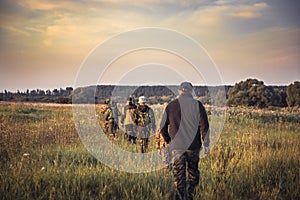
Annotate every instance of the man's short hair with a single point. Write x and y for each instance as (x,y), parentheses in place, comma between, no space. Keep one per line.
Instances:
(186,86)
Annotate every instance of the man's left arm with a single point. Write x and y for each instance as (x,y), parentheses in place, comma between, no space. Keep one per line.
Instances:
(204,126)
(164,127)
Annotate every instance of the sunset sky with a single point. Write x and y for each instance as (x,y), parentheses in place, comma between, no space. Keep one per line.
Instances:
(44,42)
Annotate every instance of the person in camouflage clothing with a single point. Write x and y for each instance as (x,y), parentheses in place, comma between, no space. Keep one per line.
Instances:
(128,116)
(164,151)
(110,117)
(146,123)
(184,126)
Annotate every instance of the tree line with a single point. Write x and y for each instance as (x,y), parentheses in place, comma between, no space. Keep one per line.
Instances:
(253,92)
(250,92)
(38,95)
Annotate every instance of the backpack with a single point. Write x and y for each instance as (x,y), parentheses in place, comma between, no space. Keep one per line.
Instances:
(143,117)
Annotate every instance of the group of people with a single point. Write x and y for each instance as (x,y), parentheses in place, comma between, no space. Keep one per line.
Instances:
(183,130)
(138,121)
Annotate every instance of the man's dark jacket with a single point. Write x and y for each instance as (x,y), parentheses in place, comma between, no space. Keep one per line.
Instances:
(185,123)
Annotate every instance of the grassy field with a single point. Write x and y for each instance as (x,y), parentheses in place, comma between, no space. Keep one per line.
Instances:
(42,157)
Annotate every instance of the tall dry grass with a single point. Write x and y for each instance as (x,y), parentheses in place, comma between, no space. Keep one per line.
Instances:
(42,157)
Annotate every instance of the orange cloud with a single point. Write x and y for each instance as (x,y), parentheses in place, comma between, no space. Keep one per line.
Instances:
(246,11)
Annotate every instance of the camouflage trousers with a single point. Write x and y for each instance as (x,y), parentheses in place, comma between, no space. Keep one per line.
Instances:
(112,128)
(130,134)
(143,134)
(166,158)
(144,144)
(185,161)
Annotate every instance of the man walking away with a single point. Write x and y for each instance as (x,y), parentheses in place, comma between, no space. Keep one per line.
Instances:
(184,126)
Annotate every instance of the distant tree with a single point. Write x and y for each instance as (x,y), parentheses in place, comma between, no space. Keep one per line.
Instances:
(33,93)
(84,95)
(48,92)
(201,91)
(55,92)
(63,100)
(251,93)
(41,92)
(61,92)
(279,97)
(293,94)
(7,96)
(69,90)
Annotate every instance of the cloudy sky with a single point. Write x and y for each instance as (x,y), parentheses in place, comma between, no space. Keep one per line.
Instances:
(43,43)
